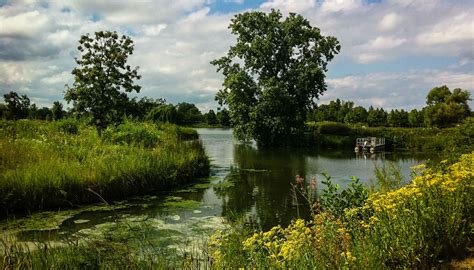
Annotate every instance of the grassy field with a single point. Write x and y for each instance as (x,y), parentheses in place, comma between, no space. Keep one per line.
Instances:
(47,165)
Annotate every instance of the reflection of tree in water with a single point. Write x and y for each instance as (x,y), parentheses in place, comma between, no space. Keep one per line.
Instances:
(262,185)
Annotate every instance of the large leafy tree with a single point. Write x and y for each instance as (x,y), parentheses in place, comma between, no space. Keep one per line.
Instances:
(57,110)
(17,105)
(446,108)
(273,74)
(103,78)
(188,113)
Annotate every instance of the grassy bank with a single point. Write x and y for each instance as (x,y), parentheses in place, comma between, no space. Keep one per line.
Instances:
(46,165)
(417,226)
(338,135)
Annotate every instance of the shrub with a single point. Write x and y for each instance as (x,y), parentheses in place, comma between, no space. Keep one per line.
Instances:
(68,126)
(334,128)
(130,133)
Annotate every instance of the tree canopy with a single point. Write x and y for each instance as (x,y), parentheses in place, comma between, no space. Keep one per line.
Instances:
(17,105)
(273,74)
(446,108)
(102,78)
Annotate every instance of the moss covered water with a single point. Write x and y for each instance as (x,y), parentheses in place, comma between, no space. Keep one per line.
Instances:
(246,183)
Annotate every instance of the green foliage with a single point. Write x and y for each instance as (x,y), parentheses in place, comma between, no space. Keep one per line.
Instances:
(272,74)
(446,108)
(141,108)
(165,113)
(17,106)
(376,117)
(415,118)
(211,117)
(223,117)
(100,76)
(356,115)
(334,202)
(188,113)
(68,126)
(42,167)
(129,133)
(333,128)
(397,118)
(57,110)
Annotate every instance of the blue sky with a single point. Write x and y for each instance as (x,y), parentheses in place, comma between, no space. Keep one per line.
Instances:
(393,51)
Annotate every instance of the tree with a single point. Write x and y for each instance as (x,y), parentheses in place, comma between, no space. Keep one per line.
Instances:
(139,109)
(100,77)
(415,118)
(376,117)
(165,113)
(44,114)
(17,105)
(223,117)
(446,108)
(273,74)
(397,118)
(356,115)
(188,113)
(211,117)
(438,95)
(57,110)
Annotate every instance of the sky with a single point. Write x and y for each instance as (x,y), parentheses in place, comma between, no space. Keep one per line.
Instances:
(393,52)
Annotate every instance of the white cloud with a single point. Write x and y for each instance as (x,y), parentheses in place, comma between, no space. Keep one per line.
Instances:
(451,30)
(297,6)
(340,5)
(405,90)
(389,21)
(154,30)
(59,78)
(27,24)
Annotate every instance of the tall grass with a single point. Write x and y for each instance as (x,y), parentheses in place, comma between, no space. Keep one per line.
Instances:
(55,164)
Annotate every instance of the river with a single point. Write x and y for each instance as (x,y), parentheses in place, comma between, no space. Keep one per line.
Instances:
(246,183)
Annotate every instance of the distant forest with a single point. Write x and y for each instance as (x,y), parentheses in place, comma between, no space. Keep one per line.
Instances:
(444,108)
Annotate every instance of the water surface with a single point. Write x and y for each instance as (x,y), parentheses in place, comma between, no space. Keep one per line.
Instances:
(246,182)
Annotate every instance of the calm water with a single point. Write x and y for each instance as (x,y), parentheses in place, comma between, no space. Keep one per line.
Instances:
(245,183)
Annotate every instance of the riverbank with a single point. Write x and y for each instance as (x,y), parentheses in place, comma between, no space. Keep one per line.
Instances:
(421,225)
(339,135)
(51,165)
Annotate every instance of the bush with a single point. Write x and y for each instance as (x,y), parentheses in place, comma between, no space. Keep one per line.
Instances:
(334,128)
(68,126)
(130,133)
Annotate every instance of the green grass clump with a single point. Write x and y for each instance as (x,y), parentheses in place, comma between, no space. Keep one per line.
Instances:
(44,165)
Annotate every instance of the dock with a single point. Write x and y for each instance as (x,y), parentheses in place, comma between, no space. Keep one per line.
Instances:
(370,144)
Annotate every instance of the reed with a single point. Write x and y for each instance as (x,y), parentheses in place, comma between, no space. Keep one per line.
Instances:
(44,165)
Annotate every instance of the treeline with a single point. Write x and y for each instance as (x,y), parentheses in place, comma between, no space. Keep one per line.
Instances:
(18,106)
(444,108)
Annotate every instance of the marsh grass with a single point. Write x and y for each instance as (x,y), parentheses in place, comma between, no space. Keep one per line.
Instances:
(46,165)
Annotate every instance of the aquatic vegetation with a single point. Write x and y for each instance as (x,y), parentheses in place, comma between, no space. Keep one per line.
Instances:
(417,225)
(42,167)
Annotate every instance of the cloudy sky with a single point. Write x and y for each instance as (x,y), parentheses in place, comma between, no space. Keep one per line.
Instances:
(393,51)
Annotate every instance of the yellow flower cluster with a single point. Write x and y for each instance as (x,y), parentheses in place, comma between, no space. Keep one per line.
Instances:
(287,246)
(458,177)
